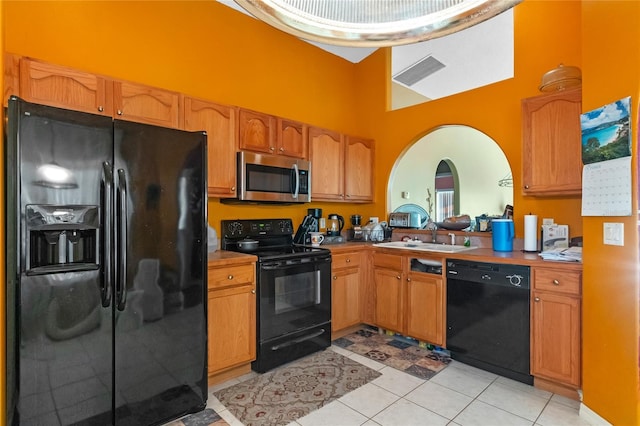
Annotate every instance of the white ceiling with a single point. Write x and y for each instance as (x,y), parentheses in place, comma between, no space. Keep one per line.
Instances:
(474,57)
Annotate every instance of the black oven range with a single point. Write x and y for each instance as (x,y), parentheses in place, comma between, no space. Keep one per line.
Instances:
(293,289)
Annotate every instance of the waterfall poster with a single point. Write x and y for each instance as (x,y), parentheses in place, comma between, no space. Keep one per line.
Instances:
(606,155)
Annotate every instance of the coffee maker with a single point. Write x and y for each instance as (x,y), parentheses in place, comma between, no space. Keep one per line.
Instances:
(316,214)
(355,232)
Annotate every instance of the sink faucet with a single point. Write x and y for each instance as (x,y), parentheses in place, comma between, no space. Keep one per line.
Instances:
(434,231)
(453,238)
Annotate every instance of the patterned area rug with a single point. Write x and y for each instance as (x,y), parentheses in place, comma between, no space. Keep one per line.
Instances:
(287,393)
(395,352)
(206,417)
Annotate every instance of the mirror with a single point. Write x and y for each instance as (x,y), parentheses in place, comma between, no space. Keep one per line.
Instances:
(474,166)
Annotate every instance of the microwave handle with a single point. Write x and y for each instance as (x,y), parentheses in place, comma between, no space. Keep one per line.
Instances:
(297,173)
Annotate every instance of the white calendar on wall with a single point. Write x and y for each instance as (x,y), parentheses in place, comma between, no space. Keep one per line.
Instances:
(606,188)
(606,155)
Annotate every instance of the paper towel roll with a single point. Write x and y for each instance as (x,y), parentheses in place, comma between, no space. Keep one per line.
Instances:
(530,232)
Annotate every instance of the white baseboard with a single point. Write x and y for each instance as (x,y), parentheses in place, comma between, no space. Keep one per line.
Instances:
(591,416)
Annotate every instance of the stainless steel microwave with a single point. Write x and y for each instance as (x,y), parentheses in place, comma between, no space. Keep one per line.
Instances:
(273,178)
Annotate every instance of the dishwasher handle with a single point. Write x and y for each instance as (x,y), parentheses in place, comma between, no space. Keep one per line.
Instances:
(489,273)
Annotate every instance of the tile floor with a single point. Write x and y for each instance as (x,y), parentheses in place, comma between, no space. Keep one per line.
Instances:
(458,395)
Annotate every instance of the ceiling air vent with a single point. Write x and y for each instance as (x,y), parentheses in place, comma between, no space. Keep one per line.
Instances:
(418,71)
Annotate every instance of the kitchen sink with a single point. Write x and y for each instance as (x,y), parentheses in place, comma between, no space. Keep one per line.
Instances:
(419,245)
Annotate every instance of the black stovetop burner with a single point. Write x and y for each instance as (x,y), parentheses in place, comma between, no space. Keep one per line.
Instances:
(274,236)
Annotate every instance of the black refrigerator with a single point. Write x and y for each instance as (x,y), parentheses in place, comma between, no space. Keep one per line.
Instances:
(106,269)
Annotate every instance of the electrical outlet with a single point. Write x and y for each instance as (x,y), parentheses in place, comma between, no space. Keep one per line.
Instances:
(613,234)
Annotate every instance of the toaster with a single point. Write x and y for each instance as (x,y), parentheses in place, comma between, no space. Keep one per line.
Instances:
(405,220)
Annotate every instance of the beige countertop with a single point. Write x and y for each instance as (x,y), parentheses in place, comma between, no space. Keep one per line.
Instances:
(482,254)
(223,258)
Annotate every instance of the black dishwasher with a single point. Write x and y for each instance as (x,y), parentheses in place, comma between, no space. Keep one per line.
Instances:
(488,317)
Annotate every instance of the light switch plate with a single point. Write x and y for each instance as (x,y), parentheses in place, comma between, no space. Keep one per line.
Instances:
(613,233)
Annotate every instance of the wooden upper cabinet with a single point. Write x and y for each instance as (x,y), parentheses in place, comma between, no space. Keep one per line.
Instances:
(256,131)
(68,88)
(261,132)
(11,76)
(292,138)
(63,87)
(358,169)
(326,153)
(551,136)
(144,104)
(219,121)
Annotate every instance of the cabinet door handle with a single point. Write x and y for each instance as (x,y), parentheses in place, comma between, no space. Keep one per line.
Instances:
(348,260)
(100,108)
(233,188)
(526,187)
(408,279)
(119,112)
(335,277)
(398,277)
(253,291)
(271,149)
(230,277)
(537,299)
(281,149)
(556,282)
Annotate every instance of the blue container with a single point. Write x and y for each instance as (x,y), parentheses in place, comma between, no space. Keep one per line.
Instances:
(503,233)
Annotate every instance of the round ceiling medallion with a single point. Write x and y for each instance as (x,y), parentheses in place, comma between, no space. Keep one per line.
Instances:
(373,23)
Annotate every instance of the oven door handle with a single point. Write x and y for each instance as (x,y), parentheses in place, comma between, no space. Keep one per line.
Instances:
(293,263)
(298,340)
(283,265)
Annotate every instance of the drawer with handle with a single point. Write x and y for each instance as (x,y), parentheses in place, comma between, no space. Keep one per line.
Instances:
(345,260)
(231,276)
(556,280)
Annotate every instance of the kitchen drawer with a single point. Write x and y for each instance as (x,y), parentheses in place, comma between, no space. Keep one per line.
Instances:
(390,261)
(231,276)
(345,260)
(556,280)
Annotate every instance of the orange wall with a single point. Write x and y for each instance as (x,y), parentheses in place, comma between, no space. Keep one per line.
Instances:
(3,378)
(611,66)
(207,50)
(216,53)
(199,48)
(493,109)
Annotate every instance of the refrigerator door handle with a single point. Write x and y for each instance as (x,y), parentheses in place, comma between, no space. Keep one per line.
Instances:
(121,289)
(106,286)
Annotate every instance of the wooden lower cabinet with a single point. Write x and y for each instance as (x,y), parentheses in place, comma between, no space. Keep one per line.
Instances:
(408,302)
(389,299)
(555,326)
(425,303)
(345,290)
(231,317)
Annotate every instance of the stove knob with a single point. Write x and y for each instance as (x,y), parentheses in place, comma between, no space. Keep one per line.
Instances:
(235,228)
